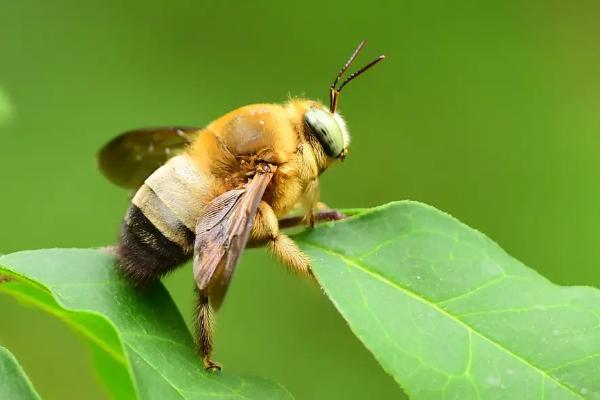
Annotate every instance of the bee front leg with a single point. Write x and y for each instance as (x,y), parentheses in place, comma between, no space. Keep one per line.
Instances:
(266,230)
(204,332)
(320,216)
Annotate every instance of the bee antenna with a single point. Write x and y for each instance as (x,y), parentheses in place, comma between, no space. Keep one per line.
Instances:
(360,71)
(348,63)
(334,91)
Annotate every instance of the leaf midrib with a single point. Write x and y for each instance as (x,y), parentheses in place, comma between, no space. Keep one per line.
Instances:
(423,300)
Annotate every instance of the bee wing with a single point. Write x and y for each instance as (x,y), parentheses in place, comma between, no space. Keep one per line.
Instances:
(131,157)
(222,233)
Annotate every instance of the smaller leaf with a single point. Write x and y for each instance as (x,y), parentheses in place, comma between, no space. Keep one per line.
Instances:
(140,343)
(14,383)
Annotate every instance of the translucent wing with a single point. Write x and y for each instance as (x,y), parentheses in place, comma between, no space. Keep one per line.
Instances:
(222,233)
(131,157)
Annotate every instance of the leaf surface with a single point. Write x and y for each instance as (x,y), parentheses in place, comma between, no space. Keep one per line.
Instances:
(14,383)
(450,315)
(141,345)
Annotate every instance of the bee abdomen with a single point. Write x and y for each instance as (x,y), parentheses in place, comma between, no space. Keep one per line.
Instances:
(145,253)
(157,233)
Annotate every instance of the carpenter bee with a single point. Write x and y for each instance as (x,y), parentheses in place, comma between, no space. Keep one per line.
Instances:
(207,193)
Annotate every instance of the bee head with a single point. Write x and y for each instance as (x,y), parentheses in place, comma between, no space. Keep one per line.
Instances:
(328,126)
(329,129)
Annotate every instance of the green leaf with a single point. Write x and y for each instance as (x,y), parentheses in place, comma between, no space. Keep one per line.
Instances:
(14,383)
(140,343)
(450,315)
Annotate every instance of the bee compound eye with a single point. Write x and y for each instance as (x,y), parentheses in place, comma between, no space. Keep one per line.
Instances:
(324,127)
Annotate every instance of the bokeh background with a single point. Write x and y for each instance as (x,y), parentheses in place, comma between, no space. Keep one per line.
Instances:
(487,110)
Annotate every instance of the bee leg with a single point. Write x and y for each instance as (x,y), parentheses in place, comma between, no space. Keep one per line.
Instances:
(288,253)
(204,331)
(266,230)
(320,216)
(326,213)
(330,215)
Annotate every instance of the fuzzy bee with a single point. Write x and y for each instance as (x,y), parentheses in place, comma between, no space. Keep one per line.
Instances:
(207,193)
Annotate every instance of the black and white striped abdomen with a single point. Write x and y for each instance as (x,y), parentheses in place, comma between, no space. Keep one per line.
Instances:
(158,232)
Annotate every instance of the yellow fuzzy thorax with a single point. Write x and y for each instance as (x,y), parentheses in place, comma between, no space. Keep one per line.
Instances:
(229,148)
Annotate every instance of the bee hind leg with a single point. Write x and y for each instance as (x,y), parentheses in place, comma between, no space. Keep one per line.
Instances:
(204,332)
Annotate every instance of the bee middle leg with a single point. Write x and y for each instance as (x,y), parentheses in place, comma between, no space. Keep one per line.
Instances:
(265,230)
(204,332)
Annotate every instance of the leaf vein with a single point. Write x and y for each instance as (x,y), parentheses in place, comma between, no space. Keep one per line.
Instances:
(421,299)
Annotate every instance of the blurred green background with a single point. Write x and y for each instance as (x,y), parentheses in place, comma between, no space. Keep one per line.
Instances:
(487,110)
